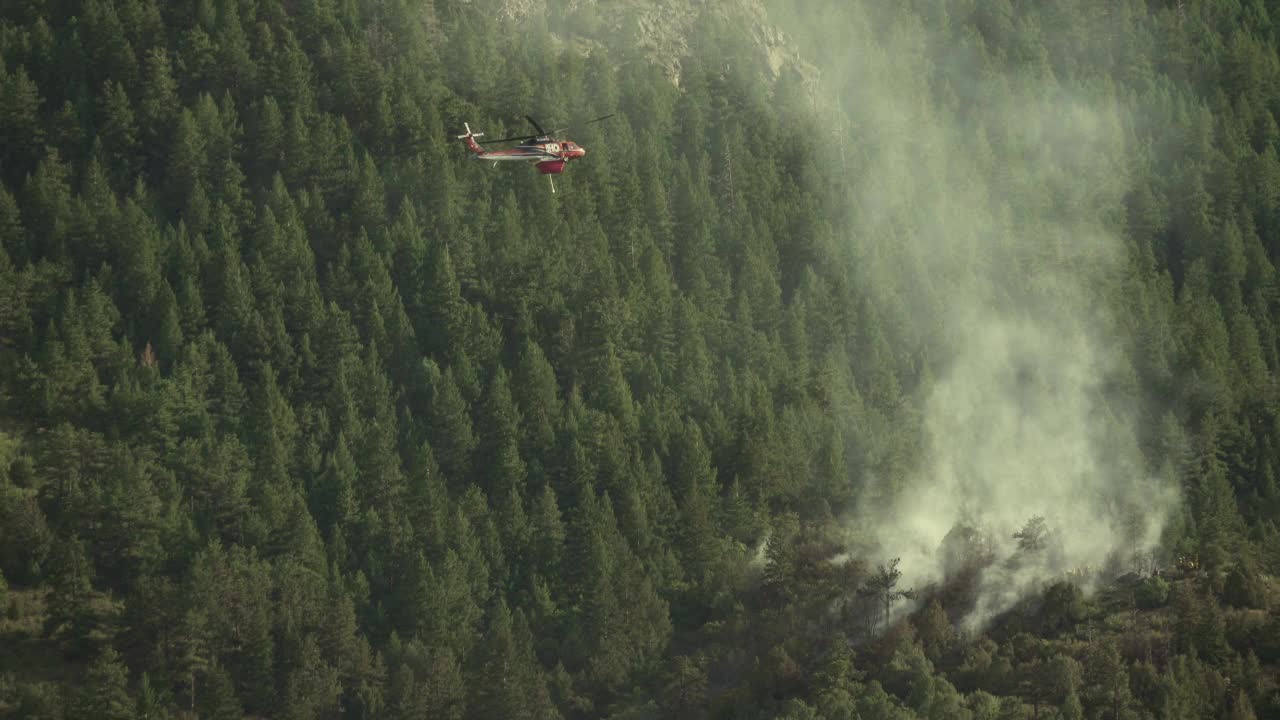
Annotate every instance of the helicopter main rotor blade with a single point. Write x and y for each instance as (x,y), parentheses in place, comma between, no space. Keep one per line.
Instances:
(536,125)
(507,139)
(602,117)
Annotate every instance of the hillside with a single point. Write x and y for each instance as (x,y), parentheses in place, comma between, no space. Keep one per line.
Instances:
(878,360)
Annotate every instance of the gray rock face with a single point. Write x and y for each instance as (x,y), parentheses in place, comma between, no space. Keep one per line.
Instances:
(663,32)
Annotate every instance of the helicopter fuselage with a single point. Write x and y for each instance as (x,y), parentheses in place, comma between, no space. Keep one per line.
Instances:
(548,155)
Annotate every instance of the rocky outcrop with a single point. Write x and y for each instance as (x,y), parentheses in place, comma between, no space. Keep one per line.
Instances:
(663,32)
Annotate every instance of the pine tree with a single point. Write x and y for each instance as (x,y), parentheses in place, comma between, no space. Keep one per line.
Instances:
(883,586)
(105,692)
(508,681)
(218,698)
(444,317)
(536,395)
(446,694)
(498,456)
(72,615)
(231,621)
(448,616)
(21,132)
(382,478)
(312,689)
(153,703)
(449,429)
(128,545)
(119,133)
(158,106)
(547,533)
(428,497)
(169,335)
(406,697)
(46,204)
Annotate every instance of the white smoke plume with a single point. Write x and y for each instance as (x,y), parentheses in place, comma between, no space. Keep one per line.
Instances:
(999,230)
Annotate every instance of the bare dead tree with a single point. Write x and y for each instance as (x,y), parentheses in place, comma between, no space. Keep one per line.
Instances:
(883,585)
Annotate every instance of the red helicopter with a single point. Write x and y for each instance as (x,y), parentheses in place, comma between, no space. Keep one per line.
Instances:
(548,153)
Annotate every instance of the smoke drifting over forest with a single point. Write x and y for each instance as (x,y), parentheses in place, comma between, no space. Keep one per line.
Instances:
(982,212)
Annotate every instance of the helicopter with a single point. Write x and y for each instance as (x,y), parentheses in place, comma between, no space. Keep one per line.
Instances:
(548,153)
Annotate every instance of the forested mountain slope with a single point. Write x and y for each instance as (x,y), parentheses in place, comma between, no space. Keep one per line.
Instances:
(305,414)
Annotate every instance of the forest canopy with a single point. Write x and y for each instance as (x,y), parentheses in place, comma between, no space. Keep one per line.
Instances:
(881,360)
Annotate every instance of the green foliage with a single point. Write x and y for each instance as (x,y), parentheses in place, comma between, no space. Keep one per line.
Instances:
(935,630)
(1243,588)
(105,692)
(1063,608)
(1151,593)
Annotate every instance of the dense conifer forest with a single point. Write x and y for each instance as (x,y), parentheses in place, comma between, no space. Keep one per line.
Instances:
(305,414)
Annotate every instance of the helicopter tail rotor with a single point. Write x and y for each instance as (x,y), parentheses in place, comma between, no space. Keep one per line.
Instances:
(468,133)
(470,138)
